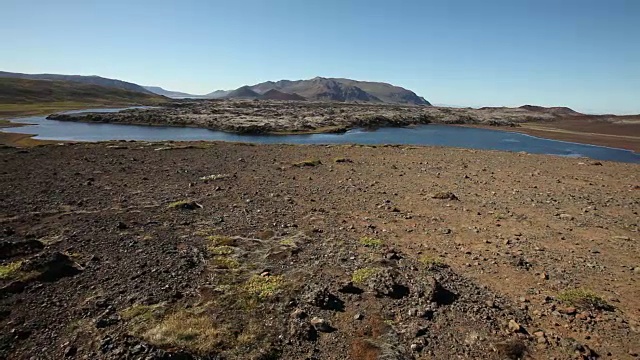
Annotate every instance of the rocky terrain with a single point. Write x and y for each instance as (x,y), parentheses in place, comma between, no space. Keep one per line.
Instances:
(267,116)
(134,250)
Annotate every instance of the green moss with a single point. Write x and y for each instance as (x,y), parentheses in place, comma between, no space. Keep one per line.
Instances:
(264,286)
(431,262)
(221,250)
(224,262)
(583,299)
(370,242)
(220,240)
(362,275)
(288,242)
(11,270)
(178,204)
(308,162)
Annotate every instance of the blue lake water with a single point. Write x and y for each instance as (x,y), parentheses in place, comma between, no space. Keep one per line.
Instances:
(439,135)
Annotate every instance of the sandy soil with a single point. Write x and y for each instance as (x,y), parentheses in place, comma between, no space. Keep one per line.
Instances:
(323,252)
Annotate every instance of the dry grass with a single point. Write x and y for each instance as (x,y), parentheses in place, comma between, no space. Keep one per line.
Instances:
(195,332)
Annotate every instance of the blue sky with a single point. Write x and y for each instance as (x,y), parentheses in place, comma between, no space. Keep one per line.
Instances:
(579,53)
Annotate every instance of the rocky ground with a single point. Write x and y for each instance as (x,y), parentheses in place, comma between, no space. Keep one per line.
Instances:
(133,250)
(248,116)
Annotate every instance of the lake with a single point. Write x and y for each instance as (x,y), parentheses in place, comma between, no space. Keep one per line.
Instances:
(438,135)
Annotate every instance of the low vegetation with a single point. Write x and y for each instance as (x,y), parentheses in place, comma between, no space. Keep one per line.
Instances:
(221,250)
(362,275)
(583,299)
(370,242)
(431,262)
(20,97)
(264,286)
(220,240)
(225,262)
(189,330)
(10,270)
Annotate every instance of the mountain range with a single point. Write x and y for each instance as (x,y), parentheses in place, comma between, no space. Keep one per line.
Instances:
(91,80)
(316,89)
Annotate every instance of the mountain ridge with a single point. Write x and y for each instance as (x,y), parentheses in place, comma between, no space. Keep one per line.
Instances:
(83,79)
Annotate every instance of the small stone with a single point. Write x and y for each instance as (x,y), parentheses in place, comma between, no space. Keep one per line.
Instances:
(539,334)
(299,314)
(416,347)
(569,311)
(121,225)
(544,276)
(321,325)
(514,326)
(70,351)
(490,304)
(358,316)
(565,217)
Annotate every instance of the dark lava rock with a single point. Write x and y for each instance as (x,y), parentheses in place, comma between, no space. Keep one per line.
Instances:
(51,266)
(11,249)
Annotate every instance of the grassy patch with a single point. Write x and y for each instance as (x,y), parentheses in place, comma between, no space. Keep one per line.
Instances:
(221,250)
(288,242)
(431,262)
(220,240)
(583,299)
(196,332)
(224,262)
(264,286)
(370,242)
(362,275)
(142,312)
(11,270)
(308,162)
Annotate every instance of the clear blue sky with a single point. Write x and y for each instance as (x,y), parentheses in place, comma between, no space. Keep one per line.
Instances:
(579,53)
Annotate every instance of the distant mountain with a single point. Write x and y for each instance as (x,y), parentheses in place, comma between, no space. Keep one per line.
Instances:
(168,93)
(27,91)
(217,94)
(337,89)
(243,92)
(556,110)
(93,80)
(274,94)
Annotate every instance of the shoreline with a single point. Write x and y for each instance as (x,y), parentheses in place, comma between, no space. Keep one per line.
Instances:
(629,143)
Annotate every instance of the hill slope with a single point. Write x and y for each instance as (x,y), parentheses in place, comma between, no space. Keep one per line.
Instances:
(168,93)
(93,80)
(243,92)
(31,97)
(335,89)
(274,94)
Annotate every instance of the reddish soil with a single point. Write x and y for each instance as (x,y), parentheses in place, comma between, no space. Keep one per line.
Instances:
(275,255)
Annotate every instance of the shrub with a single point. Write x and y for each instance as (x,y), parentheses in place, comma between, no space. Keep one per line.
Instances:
(583,299)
